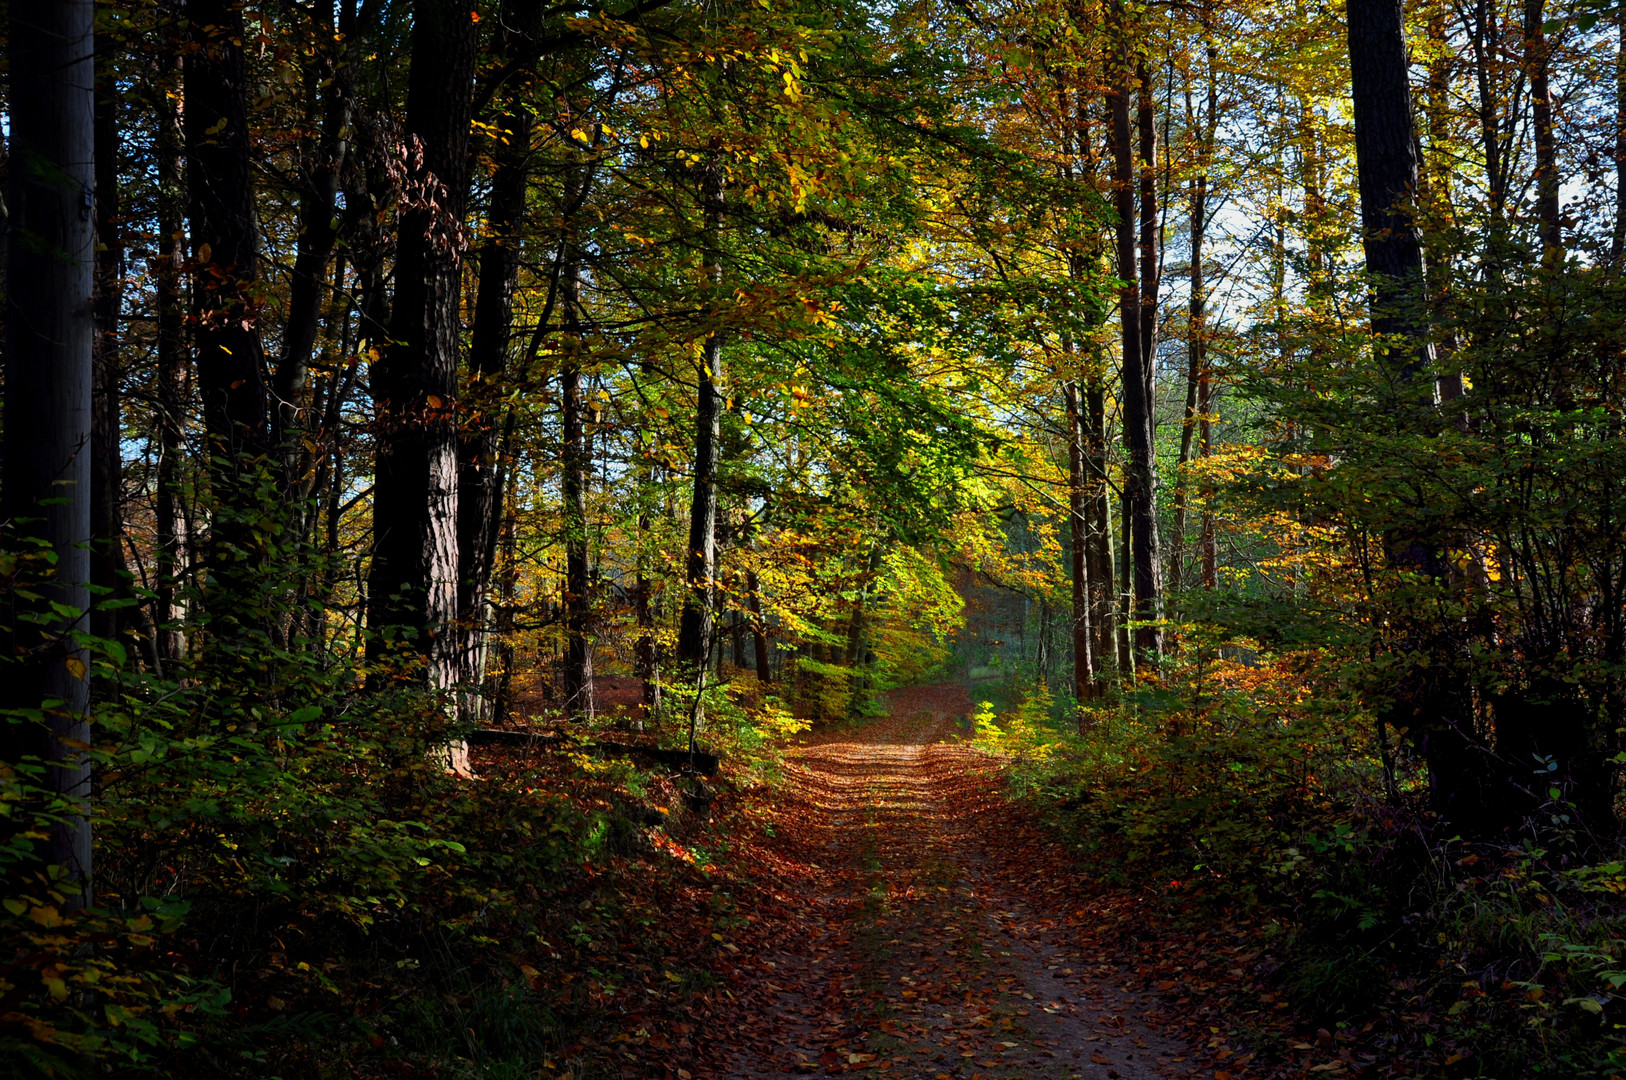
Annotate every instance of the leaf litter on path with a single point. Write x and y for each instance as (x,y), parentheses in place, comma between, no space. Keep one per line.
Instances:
(903,937)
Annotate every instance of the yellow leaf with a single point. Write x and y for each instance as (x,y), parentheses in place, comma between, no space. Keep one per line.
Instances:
(76,667)
(204,251)
(46,916)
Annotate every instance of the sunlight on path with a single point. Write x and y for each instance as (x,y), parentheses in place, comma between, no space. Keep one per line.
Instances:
(910,949)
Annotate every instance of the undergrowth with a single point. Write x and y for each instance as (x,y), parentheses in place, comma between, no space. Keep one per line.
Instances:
(1251,786)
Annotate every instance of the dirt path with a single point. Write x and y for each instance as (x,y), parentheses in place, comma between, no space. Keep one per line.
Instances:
(918,944)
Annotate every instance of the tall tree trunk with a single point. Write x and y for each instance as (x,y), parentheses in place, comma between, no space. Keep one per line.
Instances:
(48,403)
(1537,61)
(1197,335)
(1150,263)
(225,307)
(321,162)
(1100,569)
(107,566)
(578,680)
(699,606)
(479,498)
(1386,168)
(413,584)
(1617,243)
(170,346)
(1140,480)
(1084,674)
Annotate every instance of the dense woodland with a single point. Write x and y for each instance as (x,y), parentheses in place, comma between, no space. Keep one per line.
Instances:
(437,431)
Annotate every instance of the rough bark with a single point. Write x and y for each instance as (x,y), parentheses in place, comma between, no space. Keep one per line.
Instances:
(1386,168)
(48,400)
(413,584)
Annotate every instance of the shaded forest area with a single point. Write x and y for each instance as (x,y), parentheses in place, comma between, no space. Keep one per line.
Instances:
(454,450)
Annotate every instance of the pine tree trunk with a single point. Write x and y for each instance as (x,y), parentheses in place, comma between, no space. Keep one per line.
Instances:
(48,400)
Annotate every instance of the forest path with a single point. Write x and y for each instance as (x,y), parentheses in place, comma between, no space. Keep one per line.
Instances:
(917,933)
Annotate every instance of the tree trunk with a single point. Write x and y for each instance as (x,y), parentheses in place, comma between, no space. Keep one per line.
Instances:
(413,584)
(1140,480)
(1537,62)
(170,346)
(578,680)
(1386,168)
(107,566)
(48,403)
(1084,673)
(1197,337)
(321,161)
(479,497)
(225,307)
(759,629)
(699,605)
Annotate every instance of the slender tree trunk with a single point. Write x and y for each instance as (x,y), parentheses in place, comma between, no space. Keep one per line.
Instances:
(48,402)
(1617,244)
(480,499)
(1196,348)
(170,346)
(578,674)
(413,584)
(225,309)
(1100,570)
(699,606)
(759,629)
(1537,61)
(1140,481)
(321,162)
(647,651)
(1084,674)
(1150,264)
(107,566)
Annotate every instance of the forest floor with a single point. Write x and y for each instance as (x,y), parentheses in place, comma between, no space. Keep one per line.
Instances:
(906,919)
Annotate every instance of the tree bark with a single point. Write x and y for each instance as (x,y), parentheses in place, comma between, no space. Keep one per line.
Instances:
(1537,62)
(1386,168)
(413,584)
(1083,642)
(225,309)
(107,566)
(699,606)
(170,347)
(1140,481)
(48,403)
(479,496)
(321,162)
(578,681)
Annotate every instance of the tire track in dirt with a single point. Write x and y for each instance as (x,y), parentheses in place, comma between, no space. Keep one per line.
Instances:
(907,945)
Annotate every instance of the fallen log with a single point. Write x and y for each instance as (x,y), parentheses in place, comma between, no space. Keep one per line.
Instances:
(704,764)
